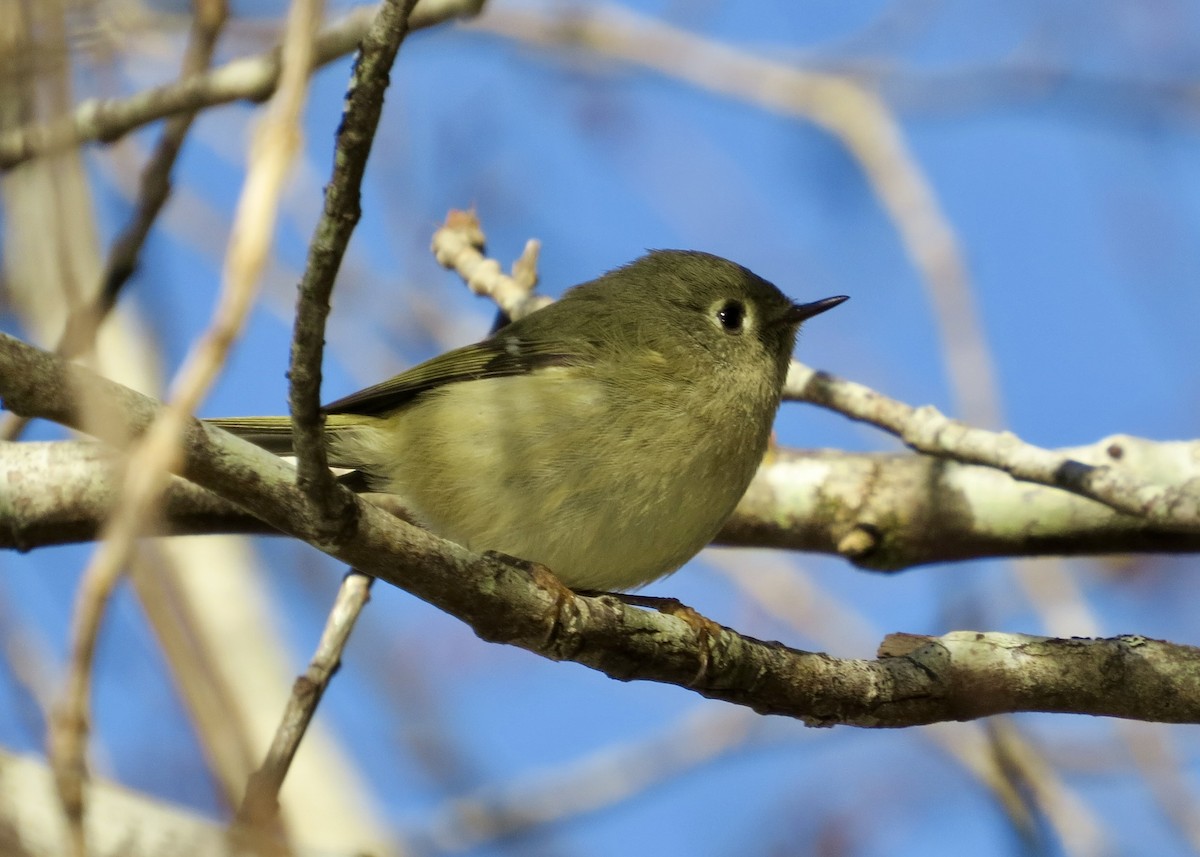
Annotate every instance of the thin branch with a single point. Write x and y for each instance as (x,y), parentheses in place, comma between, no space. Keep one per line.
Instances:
(251,78)
(853,114)
(792,597)
(925,429)
(592,783)
(195,669)
(78,336)
(1081,833)
(458,245)
(260,808)
(959,676)
(160,451)
(364,104)
(155,188)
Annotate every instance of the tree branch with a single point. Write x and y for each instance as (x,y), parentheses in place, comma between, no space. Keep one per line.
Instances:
(1167,504)
(260,807)
(159,450)
(458,245)
(331,236)
(883,512)
(336,507)
(893,511)
(250,78)
(957,677)
(154,189)
(841,105)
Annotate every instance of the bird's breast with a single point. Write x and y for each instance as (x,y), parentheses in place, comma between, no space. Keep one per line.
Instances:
(609,489)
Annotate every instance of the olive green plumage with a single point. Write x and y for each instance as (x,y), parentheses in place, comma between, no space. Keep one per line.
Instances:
(607,435)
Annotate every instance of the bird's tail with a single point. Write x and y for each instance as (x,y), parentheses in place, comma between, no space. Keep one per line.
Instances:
(274,434)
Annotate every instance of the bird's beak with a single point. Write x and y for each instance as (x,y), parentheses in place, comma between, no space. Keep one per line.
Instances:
(802,312)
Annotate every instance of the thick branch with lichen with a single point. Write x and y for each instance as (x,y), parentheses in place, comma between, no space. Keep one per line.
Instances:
(1123,677)
(883,512)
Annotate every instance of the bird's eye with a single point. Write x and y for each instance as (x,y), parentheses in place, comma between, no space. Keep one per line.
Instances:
(731,315)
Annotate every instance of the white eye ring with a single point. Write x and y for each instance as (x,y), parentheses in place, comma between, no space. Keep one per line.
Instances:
(731,315)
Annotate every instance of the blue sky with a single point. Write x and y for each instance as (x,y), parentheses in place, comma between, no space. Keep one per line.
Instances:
(1061,146)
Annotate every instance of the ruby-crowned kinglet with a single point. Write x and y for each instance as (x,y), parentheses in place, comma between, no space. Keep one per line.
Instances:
(607,436)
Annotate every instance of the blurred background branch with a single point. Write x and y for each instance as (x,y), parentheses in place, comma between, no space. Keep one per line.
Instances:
(1030,169)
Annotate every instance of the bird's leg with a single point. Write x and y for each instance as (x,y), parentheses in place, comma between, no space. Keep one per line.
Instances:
(565,610)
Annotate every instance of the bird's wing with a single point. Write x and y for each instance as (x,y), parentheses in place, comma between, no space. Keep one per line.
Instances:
(504,354)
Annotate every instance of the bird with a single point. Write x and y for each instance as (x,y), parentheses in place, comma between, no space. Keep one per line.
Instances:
(606,436)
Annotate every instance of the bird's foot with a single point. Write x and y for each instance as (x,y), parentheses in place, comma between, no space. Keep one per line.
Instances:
(565,610)
(707,631)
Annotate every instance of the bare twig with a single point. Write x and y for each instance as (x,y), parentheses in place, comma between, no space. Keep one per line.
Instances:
(792,597)
(260,807)
(78,336)
(925,429)
(1082,834)
(251,78)
(155,188)
(459,245)
(364,104)
(160,451)
(335,505)
(840,105)
(586,785)
(206,693)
